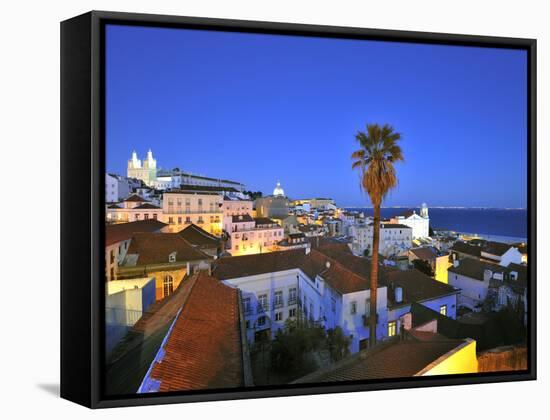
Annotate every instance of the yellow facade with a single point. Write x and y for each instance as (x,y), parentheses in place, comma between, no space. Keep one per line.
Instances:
(442,265)
(462,359)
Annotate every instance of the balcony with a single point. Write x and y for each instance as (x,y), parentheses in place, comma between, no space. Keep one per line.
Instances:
(278,303)
(262,308)
(292,301)
(172,210)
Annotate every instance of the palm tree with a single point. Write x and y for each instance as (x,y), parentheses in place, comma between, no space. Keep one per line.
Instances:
(375,160)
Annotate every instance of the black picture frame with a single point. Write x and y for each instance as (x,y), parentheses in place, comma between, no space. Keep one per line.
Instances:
(82,205)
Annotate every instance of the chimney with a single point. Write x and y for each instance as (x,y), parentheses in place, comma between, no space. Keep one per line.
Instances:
(398,294)
(456,263)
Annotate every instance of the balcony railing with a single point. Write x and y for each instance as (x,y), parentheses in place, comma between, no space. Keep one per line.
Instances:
(292,301)
(171,210)
(278,303)
(262,308)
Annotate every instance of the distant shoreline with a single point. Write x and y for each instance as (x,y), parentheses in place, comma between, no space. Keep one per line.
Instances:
(438,207)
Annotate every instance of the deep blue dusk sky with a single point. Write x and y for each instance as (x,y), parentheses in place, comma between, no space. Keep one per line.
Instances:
(262,108)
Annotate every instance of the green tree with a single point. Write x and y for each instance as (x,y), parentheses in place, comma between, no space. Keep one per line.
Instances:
(337,344)
(375,159)
(293,343)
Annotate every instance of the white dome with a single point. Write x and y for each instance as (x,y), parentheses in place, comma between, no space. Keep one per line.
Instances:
(278,191)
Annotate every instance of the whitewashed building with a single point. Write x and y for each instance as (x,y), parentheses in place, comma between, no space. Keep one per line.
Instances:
(394,238)
(419,223)
(116,188)
(328,286)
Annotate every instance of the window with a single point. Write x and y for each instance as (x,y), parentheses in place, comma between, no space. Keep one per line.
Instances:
(172,257)
(179,220)
(292,313)
(168,285)
(112,256)
(333,304)
(137,216)
(443,310)
(292,296)
(392,328)
(247,325)
(187,220)
(353,308)
(171,220)
(367,307)
(146,216)
(278,301)
(246,305)
(278,316)
(112,273)
(262,302)
(261,321)
(154,216)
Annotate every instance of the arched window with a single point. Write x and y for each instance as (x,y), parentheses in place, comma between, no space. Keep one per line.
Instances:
(168,285)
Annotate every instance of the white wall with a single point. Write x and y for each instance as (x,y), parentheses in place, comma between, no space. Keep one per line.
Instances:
(473,291)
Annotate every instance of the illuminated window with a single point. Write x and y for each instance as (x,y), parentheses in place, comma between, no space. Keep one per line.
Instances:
(392,328)
(443,310)
(168,285)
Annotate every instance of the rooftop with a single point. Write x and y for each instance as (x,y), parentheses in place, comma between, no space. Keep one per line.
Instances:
(417,286)
(242,218)
(397,359)
(124,231)
(204,348)
(135,198)
(198,236)
(156,248)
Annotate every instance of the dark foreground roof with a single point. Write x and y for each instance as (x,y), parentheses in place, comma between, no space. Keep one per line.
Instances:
(204,348)
(199,237)
(155,248)
(417,286)
(400,359)
(124,231)
(135,198)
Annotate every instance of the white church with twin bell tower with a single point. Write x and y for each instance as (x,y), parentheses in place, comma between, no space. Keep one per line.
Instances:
(146,171)
(419,223)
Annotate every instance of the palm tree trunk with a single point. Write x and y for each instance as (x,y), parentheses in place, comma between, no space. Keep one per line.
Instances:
(374,276)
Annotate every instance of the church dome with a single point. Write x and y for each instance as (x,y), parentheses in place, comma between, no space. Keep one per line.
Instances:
(278,191)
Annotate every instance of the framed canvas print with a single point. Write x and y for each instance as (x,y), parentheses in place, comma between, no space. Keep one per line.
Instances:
(255,209)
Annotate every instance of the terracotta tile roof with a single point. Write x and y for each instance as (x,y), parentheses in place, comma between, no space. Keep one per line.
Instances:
(495,248)
(135,198)
(146,206)
(204,349)
(250,265)
(264,221)
(417,286)
(465,248)
(242,218)
(155,248)
(426,253)
(198,237)
(400,359)
(124,231)
(475,269)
